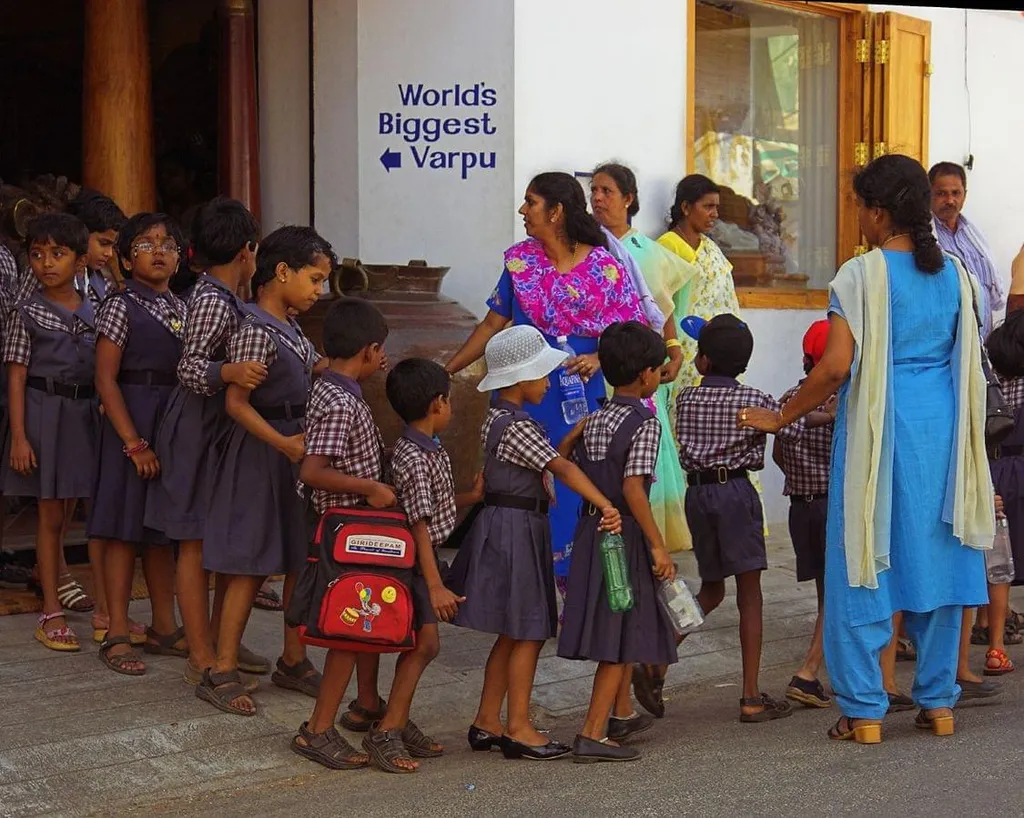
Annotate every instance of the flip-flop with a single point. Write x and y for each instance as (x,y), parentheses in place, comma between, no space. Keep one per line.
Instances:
(162,644)
(303,677)
(118,663)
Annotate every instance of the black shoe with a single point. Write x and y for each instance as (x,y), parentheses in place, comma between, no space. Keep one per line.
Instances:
(511,748)
(619,729)
(482,741)
(809,694)
(898,703)
(587,751)
(978,690)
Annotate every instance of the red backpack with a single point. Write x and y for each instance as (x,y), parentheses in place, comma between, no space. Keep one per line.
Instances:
(355,592)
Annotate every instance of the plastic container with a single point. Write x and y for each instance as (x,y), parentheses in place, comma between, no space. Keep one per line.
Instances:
(617,586)
(999,560)
(574,394)
(680,606)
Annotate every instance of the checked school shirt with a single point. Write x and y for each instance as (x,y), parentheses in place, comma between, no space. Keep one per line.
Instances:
(524,443)
(422,475)
(340,426)
(643,448)
(707,428)
(806,458)
(113,321)
(214,314)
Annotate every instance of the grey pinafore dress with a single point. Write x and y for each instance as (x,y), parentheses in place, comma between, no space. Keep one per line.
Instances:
(504,567)
(61,430)
(188,438)
(590,630)
(149,364)
(256,524)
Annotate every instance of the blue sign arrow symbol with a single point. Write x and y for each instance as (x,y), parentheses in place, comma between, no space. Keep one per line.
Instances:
(391,159)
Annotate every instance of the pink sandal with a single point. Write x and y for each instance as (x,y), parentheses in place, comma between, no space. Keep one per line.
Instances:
(61,639)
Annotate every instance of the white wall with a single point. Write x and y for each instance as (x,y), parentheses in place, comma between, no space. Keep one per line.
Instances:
(335,124)
(284,112)
(596,82)
(456,216)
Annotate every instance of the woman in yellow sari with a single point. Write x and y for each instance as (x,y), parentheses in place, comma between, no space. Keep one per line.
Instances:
(615,201)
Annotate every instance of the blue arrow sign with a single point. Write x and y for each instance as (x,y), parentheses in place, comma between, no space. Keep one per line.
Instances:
(391,159)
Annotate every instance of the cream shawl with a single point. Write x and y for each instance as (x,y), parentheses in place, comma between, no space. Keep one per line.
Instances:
(862,288)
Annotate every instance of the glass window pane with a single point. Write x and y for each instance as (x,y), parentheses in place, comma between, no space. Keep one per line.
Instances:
(765,128)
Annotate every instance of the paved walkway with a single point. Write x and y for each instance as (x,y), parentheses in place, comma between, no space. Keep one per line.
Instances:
(76,739)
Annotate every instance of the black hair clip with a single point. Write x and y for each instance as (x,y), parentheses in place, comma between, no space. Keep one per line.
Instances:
(902,192)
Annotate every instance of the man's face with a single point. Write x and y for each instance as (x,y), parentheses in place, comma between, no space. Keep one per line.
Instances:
(948,195)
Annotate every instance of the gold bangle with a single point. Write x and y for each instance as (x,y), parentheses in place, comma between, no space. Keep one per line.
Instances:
(673,343)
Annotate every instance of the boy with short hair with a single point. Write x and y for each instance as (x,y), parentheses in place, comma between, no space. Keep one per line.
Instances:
(722,507)
(805,461)
(344,467)
(419,392)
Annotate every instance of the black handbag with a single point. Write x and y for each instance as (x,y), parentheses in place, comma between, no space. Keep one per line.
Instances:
(999,418)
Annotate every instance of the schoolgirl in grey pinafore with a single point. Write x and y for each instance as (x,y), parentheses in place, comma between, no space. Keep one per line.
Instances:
(148,375)
(194,424)
(61,413)
(590,630)
(504,567)
(256,525)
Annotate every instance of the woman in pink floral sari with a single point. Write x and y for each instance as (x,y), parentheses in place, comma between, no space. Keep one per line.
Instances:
(563,281)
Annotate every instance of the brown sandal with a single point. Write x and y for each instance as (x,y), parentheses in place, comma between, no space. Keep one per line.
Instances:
(385,747)
(369,716)
(770,709)
(418,744)
(223,690)
(328,748)
(303,677)
(161,644)
(119,663)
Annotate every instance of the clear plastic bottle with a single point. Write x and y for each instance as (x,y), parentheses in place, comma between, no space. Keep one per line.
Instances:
(680,606)
(617,586)
(999,560)
(574,394)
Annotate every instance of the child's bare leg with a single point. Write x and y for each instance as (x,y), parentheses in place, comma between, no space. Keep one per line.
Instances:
(338,667)
(408,671)
(522,668)
(220,587)
(158,568)
(367,684)
(710,595)
(963,662)
(816,653)
(239,594)
(623,708)
(119,566)
(488,716)
(99,580)
(194,600)
(998,603)
(749,602)
(294,652)
(982,619)
(602,698)
(48,553)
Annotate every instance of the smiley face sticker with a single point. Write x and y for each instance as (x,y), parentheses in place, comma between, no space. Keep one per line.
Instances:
(389,594)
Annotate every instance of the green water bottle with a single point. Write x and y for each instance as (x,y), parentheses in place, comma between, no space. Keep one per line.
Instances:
(616,572)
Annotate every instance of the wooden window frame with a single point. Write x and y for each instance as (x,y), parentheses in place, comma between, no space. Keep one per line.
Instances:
(851,17)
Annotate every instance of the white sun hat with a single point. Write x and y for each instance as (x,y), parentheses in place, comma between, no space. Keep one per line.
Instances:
(519,354)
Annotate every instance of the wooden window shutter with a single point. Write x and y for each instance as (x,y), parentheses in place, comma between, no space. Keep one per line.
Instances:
(903,58)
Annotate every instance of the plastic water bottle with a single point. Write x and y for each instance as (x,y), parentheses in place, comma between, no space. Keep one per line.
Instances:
(616,573)
(574,396)
(680,606)
(999,560)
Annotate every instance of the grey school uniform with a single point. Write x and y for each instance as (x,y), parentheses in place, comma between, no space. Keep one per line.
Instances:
(422,475)
(148,327)
(722,507)
(504,567)
(629,435)
(194,423)
(61,414)
(256,523)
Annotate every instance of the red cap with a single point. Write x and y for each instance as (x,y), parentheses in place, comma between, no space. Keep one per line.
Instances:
(815,340)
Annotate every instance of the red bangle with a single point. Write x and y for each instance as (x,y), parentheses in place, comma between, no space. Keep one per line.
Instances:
(141,446)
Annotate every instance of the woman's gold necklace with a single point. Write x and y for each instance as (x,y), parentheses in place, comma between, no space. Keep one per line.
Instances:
(892,238)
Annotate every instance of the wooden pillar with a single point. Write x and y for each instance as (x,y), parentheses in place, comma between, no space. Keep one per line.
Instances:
(238,160)
(117,108)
